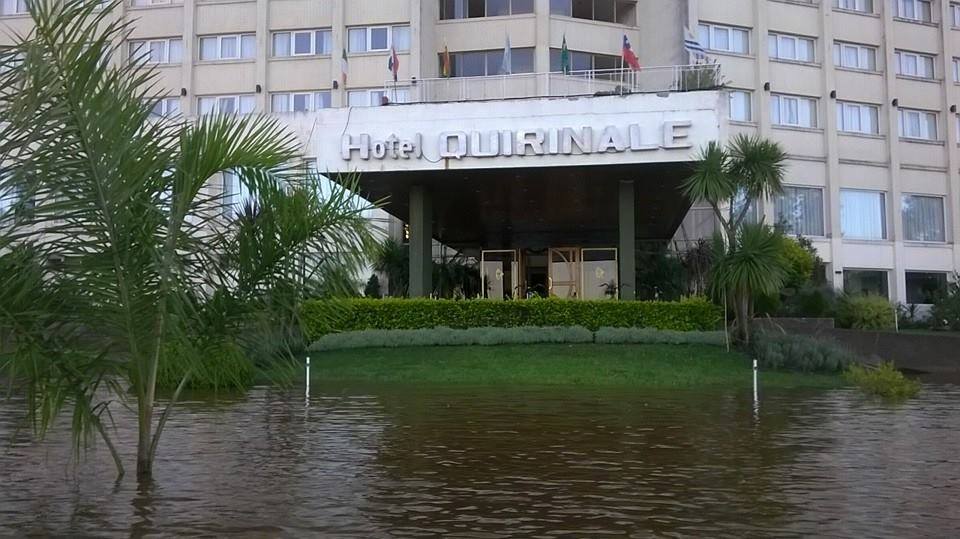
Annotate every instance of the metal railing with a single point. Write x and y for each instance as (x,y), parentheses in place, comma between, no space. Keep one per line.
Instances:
(681,78)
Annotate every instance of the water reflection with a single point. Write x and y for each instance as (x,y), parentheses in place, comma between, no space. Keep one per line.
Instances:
(372,462)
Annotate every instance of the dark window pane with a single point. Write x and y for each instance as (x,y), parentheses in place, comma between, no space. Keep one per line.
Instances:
(925,287)
(476,8)
(523,60)
(522,6)
(555,60)
(494,62)
(865,282)
(581,61)
(470,64)
(603,10)
(602,61)
(498,8)
(561,7)
(583,9)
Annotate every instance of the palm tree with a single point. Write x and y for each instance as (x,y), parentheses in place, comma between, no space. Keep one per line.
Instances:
(730,179)
(116,250)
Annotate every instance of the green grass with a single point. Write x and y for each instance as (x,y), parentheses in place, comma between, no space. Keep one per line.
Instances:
(641,366)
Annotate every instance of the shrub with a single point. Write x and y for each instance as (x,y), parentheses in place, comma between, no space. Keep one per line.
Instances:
(656,336)
(223,366)
(865,312)
(777,351)
(320,317)
(442,336)
(884,381)
(946,308)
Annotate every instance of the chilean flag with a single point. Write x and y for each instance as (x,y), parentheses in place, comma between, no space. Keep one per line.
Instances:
(394,63)
(628,55)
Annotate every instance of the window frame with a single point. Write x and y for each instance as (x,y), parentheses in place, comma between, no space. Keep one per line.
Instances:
(774,47)
(884,229)
(731,29)
(314,96)
(920,58)
(814,116)
(145,56)
(220,39)
(842,107)
(944,274)
(862,50)
(240,99)
(900,4)
(391,29)
(943,215)
(20,8)
(823,216)
(164,103)
(316,34)
(749,107)
(923,125)
(838,4)
(486,10)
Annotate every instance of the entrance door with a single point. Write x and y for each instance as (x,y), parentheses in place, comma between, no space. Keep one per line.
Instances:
(499,274)
(598,274)
(564,279)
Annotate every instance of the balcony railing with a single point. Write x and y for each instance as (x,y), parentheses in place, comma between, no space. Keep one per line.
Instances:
(684,78)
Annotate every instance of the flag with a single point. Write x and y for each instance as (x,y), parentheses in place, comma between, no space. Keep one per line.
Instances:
(565,57)
(445,68)
(506,68)
(628,56)
(693,46)
(344,67)
(393,64)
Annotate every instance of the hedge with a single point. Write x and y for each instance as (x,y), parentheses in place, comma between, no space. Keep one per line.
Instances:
(320,317)
(396,338)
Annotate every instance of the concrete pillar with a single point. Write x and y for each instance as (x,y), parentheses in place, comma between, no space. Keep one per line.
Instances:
(421,242)
(627,253)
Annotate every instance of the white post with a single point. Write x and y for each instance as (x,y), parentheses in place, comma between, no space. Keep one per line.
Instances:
(755,369)
(308,380)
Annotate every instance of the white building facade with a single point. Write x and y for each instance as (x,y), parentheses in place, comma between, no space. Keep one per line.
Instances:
(863,94)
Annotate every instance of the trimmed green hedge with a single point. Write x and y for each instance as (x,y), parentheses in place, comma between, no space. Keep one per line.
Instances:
(396,338)
(321,317)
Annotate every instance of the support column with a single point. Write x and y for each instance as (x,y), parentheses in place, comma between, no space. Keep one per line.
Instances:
(421,243)
(627,252)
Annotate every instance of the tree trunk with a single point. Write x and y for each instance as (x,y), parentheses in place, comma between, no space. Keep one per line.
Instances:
(144,458)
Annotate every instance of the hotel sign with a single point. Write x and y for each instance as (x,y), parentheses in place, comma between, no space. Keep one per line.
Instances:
(635,137)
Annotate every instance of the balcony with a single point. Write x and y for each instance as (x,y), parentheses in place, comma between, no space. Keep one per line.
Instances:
(603,82)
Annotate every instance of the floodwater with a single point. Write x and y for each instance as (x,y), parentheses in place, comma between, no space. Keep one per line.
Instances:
(487,463)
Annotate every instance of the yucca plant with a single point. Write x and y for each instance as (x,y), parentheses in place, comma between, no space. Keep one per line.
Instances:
(730,179)
(115,250)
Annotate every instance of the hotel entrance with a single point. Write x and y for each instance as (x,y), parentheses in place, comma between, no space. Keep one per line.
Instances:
(561,272)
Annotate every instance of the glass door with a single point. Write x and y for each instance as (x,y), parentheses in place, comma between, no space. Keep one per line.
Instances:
(564,269)
(499,274)
(599,274)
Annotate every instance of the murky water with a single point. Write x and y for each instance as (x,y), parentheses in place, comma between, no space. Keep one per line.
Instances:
(455,462)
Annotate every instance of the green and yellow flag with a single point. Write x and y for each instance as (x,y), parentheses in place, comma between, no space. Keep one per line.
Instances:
(565,57)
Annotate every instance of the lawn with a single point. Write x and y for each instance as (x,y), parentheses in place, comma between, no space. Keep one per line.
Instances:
(642,366)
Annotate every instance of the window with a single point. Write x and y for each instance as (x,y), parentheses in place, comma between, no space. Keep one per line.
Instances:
(226,104)
(236,194)
(955,14)
(299,101)
(915,10)
(863,215)
(157,51)
(866,282)
(918,124)
(228,47)
(793,110)
(463,9)
(376,98)
(925,287)
(725,38)
(860,6)
(787,47)
(378,38)
(956,70)
(616,11)
(753,212)
(923,218)
(912,64)
(853,56)
(799,211)
(13,7)
(141,3)
(487,63)
(167,106)
(858,118)
(11,198)
(302,43)
(741,105)
(582,61)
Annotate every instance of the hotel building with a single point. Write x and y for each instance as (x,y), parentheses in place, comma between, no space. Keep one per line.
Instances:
(550,178)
